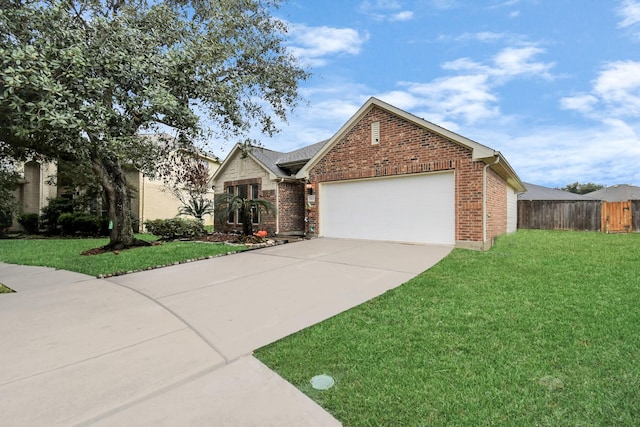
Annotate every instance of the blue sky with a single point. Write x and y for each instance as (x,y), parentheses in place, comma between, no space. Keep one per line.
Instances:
(552,84)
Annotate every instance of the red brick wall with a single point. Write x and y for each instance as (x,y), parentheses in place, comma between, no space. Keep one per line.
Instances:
(496,205)
(291,207)
(406,148)
(267,222)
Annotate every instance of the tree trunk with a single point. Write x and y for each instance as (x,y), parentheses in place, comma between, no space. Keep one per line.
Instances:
(245,214)
(114,184)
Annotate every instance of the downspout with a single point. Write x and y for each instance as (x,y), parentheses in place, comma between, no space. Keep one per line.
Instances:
(278,205)
(484,199)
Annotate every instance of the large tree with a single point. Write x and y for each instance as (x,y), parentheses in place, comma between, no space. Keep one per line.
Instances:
(81,79)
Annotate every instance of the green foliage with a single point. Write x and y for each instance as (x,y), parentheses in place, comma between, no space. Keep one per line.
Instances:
(8,183)
(175,228)
(6,219)
(51,213)
(226,204)
(30,222)
(197,206)
(585,188)
(5,290)
(80,223)
(81,79)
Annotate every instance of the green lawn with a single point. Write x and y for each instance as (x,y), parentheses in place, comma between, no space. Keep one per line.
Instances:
(541,330)
(65,254)
(4,289)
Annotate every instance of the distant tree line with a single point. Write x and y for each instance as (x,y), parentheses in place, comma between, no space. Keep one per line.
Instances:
(579,188)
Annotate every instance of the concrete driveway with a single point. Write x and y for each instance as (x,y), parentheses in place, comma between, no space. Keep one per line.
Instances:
(173,346)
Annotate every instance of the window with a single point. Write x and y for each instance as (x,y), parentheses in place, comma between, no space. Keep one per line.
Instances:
(255,212)
(247,191)
(232,214)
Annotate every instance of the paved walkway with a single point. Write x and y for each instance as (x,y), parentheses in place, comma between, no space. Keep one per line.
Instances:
(173,346)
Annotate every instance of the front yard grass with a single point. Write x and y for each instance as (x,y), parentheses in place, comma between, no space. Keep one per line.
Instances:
(540,330)
(65,254)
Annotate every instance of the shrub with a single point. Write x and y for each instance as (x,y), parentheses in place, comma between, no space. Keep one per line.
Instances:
(6,219)
(79,223)
(51,213)
(29,221)
(65,221)
(175,228)
(87,225)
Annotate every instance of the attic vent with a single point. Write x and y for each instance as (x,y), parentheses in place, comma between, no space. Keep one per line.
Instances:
(375,133)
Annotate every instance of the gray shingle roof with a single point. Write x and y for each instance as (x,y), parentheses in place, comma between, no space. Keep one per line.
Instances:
(616,193)
(273,160)
(538,192)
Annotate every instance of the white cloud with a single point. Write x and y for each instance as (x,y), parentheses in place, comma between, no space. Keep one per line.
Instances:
(405,15)
(380,4)
(466,97)
(583,103)
(516,61)
(485,37)
(629,11)
(556,156)
(471,96)
(385,10)
(313,45)
(615,93)
(618,86)
(507,3)
(443,4)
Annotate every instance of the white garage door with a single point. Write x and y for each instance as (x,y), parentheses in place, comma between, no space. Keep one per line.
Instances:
(416,208)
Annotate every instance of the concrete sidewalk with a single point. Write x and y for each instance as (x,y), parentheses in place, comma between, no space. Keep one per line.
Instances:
(173,346)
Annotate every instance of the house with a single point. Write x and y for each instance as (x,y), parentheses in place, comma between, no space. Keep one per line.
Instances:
(544,208)
(616,193)
(538,192)
(257,172)
(151,198)
(35,186)
(385,175)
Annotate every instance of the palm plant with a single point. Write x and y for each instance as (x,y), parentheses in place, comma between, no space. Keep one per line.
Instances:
(227,203)
(197,206)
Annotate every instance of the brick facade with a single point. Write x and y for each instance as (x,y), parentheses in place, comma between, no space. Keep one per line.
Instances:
(496,205)
(289,204)
(291,208)
(267,222)
(406,148)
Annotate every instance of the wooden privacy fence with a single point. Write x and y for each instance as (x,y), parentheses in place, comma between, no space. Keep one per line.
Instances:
(587,215)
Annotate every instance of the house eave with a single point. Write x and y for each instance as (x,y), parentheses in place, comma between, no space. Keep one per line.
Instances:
(478,150)
(502,167)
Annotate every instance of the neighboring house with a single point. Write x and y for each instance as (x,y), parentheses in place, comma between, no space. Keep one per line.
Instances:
(152,199)
(385,175)
(35,186)
(538,192)
(614,209)
(544,208)
(616,193)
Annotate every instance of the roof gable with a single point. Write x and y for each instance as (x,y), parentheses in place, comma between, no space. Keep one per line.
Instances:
(479,152)
(276,163)
(616,193)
